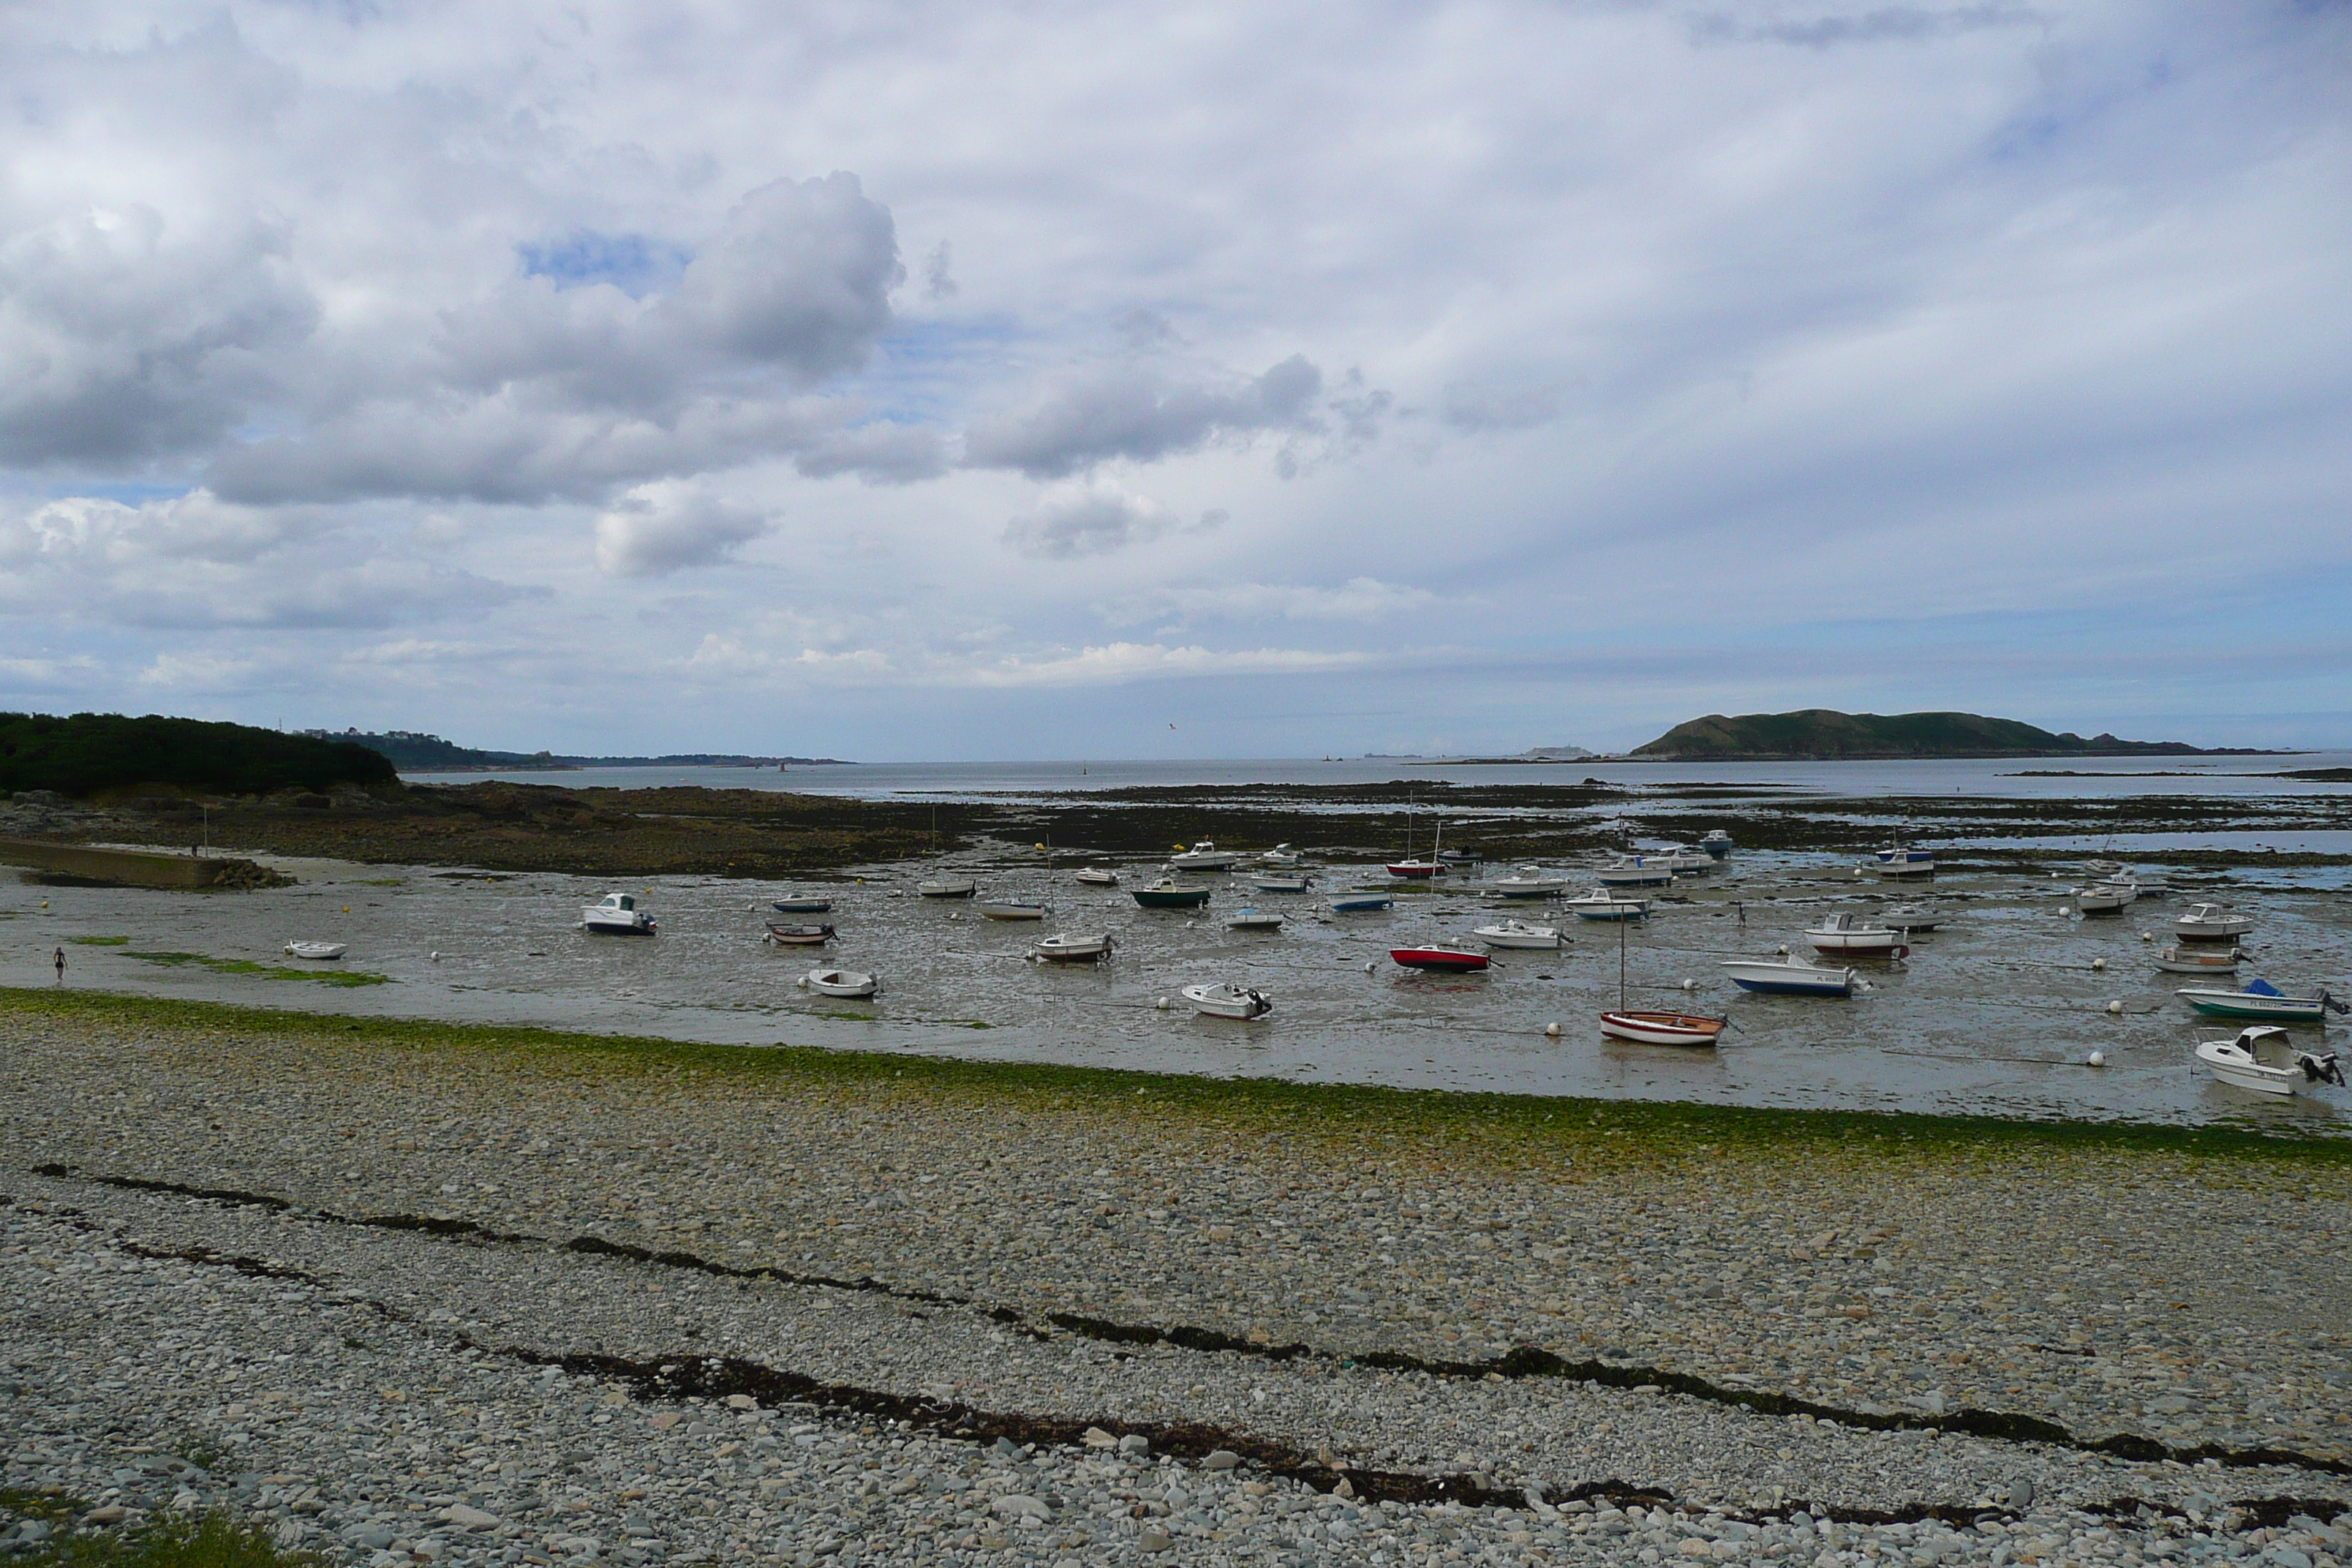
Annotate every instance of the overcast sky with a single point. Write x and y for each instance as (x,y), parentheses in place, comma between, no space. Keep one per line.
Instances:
(906,381)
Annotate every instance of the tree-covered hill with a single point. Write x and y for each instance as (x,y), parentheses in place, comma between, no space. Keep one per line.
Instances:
(91,751)
(1822,733)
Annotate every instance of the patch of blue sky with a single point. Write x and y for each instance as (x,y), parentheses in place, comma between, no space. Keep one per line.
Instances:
(636,264)
(126,492)
(920,371)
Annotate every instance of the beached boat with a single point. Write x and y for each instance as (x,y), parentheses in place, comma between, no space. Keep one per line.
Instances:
(1099,876)
(2211,922)
(947,888)
(1223,999)
(2104,897)
(616,914)
(2263,1000)
(1168,893)
(1846,936)
(1440,960)
(1518,934)
(1603,905)
(2266,1059)
(1253,919)
(1360,903)
(1064,948)
(316,949)
(842,983)
(1205,856)
(1682,859)
(1279,881)
(2179,959)
(1661,1028)
(803,904)
(1901,860)
(1013,909)
(1530,882)
(1716,842)
(1635,872)
(1280,855)
(1910,921)
(808,935)
(1783,978)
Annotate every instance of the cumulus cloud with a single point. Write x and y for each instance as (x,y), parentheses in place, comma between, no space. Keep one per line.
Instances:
(1124,410)
(659,529)
(1095,519)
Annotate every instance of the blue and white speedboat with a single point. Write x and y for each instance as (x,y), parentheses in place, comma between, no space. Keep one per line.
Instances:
(1780,978)
(1901,860)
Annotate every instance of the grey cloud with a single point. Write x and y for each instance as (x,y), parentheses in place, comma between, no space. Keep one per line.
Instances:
(121,339)
(1473,409)
(1092,519)
(937,283)
(663,528)
(879,453)
(1888,24)
(1129,411)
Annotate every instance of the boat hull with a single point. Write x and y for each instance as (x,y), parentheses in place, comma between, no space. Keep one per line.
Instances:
(1099,878)
(1440,960)
(1416,871)
(1538,940)
(618,927)
(1171,898)
(2187,961)
(2263,1009)
(1363,905)
(319,952)
(1226,1001)
(1015,912)
(1662,1029)
(800,935)
(803,906)
(1789,979)
(964,889)
(846,982)
(1858,944)
(1072,950)
(1508,889)
(1278,884)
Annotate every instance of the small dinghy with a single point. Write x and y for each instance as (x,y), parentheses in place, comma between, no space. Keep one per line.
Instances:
(1064,948)
(1253,919)
(2261,999)
(318,950)
(2182,960)
(1440,960)
(1013,909)
(1518,934)
(1099,876)
(1636,872)
(1846,936)
(841,983)
(1168,893)
(2266,1059)
(1223,999)
(616,914)
(1662,1029)
(803,904)
(2211,922)
(947,888)
(1360,903)
(1528,882)
(810,934)
(1279,881)
(1601,904)
(1781,978)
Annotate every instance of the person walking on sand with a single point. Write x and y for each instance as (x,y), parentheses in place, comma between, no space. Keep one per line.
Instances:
(59,958)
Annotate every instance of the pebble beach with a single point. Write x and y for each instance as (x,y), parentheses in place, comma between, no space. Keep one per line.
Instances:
(408,1294)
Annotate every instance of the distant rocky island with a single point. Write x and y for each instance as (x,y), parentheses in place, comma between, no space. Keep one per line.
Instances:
(414,752)
(1822,734)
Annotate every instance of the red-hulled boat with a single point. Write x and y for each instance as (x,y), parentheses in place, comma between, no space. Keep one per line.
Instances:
(1418,870)
(1444,960)
(1662,1029)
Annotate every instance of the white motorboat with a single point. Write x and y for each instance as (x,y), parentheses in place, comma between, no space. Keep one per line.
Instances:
(1013,909)
(1205,856)
(1168,893)
(1716,842)
(947,888)
(1601,904)
(1279,881)
(1280,855)
(1064,948)
(2261,999)
(1901,860)
(1099,876)
(841,983)
(616,914)
(2266,1059)
(1846,936)
(2211,922)
(1530,882)
(1518,934)
(318,950)
(1253,919)
(803,904)
(1683,859)
(1635,872)
(1223,999)
(1785,978)
(2104,897)
(2179,959)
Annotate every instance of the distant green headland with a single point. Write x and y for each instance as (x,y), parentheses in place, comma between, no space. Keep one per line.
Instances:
(87,753)
(414,752)
(1820,734)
